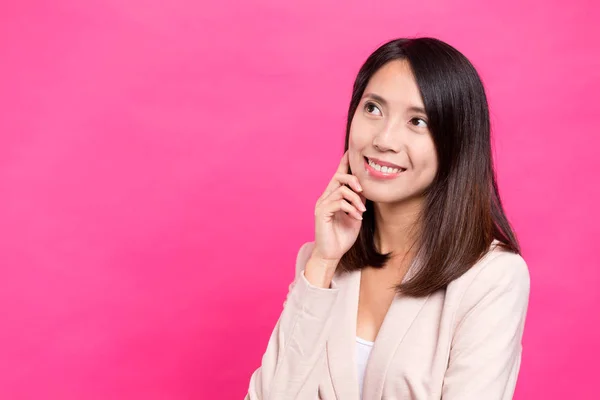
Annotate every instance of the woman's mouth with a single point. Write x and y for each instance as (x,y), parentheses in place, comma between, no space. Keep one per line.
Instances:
(381,169)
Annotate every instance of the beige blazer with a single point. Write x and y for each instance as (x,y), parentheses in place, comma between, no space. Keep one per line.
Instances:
(460,343)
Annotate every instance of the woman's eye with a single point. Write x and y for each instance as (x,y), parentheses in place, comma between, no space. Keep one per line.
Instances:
(370,108)
(419,122)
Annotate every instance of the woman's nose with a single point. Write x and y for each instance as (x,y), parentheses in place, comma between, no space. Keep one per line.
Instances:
(390,138)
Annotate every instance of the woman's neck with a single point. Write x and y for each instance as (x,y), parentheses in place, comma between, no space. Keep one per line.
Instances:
(397,226)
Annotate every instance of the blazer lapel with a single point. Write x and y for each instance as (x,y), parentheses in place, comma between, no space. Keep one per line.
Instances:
(397,321)
(341,345)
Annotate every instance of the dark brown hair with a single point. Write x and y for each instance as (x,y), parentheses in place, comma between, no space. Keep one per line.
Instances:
(462,212)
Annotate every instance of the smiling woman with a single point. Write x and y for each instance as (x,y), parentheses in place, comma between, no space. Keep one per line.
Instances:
(414,286)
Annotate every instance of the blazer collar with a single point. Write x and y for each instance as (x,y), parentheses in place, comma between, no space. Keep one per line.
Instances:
(341,345)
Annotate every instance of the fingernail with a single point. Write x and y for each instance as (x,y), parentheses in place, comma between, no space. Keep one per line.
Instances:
(362,207)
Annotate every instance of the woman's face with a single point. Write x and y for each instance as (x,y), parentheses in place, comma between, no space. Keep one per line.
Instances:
(390,147)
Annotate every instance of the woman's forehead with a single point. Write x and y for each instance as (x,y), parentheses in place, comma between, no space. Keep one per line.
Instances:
(394,85)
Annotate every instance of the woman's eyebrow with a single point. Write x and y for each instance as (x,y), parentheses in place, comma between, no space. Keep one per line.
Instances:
(384,102)
(416,109)
(377,98)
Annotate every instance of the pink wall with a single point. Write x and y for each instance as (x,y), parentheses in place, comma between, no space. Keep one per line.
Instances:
(159,163)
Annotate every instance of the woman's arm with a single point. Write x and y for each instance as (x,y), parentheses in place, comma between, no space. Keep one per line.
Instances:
(297,343)
(485,355)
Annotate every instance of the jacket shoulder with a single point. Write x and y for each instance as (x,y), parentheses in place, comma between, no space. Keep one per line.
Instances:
(498,271)
(501,267)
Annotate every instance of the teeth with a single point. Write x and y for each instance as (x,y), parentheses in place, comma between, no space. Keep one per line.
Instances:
(385,170)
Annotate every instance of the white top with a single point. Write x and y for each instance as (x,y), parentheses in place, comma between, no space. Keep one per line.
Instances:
(363,350)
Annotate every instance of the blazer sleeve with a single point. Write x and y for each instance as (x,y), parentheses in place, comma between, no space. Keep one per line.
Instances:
(289,365)
(485,354)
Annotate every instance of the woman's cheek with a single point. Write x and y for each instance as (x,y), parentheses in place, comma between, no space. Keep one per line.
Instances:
(359,135)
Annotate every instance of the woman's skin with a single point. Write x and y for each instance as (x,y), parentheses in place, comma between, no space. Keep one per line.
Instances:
(389,125)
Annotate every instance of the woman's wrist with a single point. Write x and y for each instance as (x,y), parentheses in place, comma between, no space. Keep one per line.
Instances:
(319,272)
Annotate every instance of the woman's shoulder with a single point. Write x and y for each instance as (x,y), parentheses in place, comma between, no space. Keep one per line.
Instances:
(500,272)
(501,266)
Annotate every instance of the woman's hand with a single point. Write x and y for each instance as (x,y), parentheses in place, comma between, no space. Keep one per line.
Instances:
(338,216)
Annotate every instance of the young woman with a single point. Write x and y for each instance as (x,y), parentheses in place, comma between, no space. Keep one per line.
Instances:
(414,287)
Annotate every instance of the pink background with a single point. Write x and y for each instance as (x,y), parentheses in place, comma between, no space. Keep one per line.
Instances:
(160,160)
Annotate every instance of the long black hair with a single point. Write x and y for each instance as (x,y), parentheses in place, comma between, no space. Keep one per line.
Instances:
(462,213)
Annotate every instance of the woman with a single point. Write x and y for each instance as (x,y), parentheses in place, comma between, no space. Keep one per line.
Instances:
(414,287)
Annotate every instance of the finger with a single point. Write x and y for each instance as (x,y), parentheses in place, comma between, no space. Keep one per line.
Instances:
(363,199)
(341,170)
(350,180)
(342,205)
(344,164)
(340,179)
(352,197)
(345,194)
